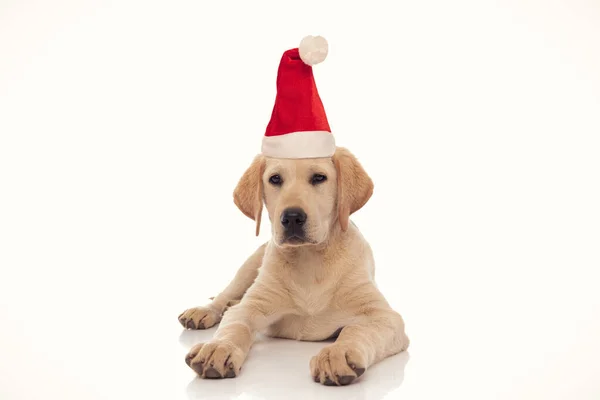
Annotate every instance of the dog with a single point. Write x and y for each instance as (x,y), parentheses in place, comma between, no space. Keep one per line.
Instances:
(314,280)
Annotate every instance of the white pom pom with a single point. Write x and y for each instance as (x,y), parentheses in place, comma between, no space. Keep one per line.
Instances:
(313,49)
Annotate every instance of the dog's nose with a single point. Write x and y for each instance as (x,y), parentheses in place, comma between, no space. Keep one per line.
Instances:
(293,217)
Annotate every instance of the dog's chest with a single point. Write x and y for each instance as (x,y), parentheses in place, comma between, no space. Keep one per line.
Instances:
(306,282)
(311,300)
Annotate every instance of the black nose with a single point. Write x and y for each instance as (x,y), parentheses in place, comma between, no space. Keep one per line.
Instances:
(292,218)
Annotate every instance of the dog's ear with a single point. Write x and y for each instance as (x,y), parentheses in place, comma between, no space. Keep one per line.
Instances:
(354,186)
(248,194)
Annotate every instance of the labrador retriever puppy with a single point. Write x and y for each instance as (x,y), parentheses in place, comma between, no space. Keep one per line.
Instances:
(313,280)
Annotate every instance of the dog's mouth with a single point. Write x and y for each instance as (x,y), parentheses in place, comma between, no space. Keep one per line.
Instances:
(294,240)
(297,240)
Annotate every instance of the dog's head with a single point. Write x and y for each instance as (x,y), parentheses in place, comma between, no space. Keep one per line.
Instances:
(305,198)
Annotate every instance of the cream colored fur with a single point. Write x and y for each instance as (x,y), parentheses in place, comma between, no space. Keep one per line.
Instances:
(304,292)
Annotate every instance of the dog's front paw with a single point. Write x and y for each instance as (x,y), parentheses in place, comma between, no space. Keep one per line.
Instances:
(337,364)
(215,360)
(199,318)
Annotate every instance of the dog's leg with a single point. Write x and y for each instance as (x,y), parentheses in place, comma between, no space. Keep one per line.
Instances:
(223,356)
(207,316)
(376,334)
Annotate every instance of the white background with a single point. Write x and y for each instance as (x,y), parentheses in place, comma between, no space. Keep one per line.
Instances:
(125,125)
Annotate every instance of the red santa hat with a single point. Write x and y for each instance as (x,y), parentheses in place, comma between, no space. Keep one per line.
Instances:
(298,126)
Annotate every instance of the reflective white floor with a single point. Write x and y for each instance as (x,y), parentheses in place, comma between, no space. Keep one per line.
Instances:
(131,346)
(285,376)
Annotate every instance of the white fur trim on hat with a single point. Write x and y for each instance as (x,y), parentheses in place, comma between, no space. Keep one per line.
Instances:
(304,144)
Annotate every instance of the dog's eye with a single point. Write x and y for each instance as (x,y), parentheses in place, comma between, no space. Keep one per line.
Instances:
(318,178)
(275,180)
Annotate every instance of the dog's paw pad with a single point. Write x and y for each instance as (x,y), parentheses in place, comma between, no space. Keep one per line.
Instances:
(344,363)
(212,373)
(199,318)
(216,360)
(346,379)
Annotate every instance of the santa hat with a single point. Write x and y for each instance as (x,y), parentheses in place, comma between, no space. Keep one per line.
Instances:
(298,126)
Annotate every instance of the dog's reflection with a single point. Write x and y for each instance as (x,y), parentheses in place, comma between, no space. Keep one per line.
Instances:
(278,369)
